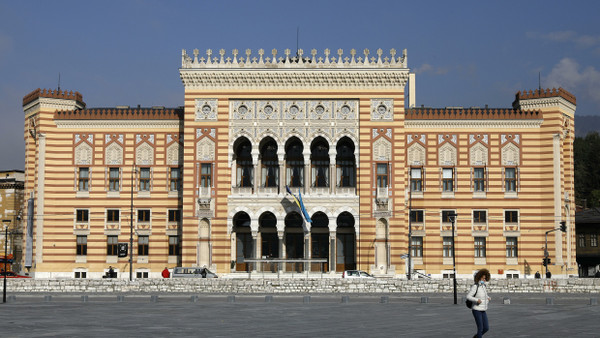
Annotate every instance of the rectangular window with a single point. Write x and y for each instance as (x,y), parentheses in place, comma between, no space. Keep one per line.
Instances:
(416,179)
(511,216)
(581,240)
(447,243)
(143,245)
(295,173)
(594,240)
(80,274)
(81,245)
(417,246)
(174,215)
(479,216)
(447,179)
(173,245)
(511,247)
(144,179)
(144,215)
(479,179)
(320,173)
(112,215)
(83,181)
(174,179)
(416,216)
(510,180)
(112,245)
(346,174)
(480,247)
(141,274)
(382,175)
(83,215)
(205,175)
(245,173)
(113,179)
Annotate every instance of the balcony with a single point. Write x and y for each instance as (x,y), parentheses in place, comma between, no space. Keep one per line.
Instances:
(382,193)
(268,190)
(345,191)
(204,192)
(318,190)
(242,190)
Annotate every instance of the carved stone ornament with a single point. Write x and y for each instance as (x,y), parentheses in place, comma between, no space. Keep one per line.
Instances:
(206,109)
(382,150)
(382,109)
(144,154)
(510,155)
(416,154)
(174,154)
(114,154)
(205,150)
(478,155)
(447,155)
(83,154)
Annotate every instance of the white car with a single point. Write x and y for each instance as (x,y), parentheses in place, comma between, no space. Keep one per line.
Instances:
(356,274)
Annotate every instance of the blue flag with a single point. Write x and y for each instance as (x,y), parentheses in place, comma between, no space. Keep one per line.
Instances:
(299,203)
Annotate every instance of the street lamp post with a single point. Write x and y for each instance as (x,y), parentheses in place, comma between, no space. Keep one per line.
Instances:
(452,217)
(5,258)
(131,228)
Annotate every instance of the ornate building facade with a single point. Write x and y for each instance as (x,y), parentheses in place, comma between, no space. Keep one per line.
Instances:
(205,184)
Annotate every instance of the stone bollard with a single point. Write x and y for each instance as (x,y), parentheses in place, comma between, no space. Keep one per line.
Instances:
(593,301)
(384,300)
(549,301)
(194,299)
(268,299)
(506,301)
(120,298)
(84,298)
(47,298)
(424,300)
(345,299)
(230,299)
(306,299)
(154,298)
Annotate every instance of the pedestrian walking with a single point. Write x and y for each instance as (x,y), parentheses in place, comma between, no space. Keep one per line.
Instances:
(479,296)
(537,275)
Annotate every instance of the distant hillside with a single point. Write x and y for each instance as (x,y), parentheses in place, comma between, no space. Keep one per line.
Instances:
(586,124)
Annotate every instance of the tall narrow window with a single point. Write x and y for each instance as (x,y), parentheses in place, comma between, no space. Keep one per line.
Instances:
(581,240)
(320,162)
(510,178)
(479,179)
(174,245)
(143,243)
(447,179)
(294,163)
(416,179)
(144,179)
(81,245)
(83,183)
(382,175)
(511,247)
(269,163)
(480,247)
(205,175)
(113,179)
(174,215)
(174,179)
(593,240)
(345,163)
(447,243)
(417,246)
(112,245)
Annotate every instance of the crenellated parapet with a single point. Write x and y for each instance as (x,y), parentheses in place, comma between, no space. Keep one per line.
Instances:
(53,94)
(470,114)
(260,60)
(545,99)
(545,93)
(120,114)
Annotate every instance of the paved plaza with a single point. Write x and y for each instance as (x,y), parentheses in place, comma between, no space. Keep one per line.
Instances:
(406,315)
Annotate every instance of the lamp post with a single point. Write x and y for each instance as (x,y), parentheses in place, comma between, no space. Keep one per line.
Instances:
(131,227)
(5,257)
(452,217)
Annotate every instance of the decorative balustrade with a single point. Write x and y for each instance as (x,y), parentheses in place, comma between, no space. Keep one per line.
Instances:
(297,61)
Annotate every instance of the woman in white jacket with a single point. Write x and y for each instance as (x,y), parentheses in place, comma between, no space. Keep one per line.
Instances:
(479,296)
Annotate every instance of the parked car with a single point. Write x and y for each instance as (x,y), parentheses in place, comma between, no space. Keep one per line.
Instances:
(10,274)
(356,274)
(183,272)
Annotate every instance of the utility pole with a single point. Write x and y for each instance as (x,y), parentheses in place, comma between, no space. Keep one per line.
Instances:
(131,227)
(452,217)
(409,276)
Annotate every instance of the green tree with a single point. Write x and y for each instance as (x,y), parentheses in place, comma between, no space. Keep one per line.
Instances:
(587,169)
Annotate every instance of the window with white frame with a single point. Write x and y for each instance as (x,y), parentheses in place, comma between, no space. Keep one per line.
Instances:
(112,245)
(144,184)
(511,247)
(82,215)
(447,179)
(480,247)
(447,243)
(174,179)
(80,274)
(81,246)
(114,179)
(479,179)
(382,175)
(511,216)
(416,216)
(416,246)
(416,179)
(510,179)
(205,175)
(143,245)
(83,179)
(479,216)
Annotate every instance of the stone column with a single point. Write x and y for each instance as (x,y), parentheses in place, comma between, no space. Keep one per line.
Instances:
(256,164)
(332,173)
(256,249)
(332,251)
(307,172)
(281,250)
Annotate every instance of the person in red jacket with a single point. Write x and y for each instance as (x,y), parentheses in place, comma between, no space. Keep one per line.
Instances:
(166,273)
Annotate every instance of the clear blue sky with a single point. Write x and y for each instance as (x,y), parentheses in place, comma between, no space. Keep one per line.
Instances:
(465,53)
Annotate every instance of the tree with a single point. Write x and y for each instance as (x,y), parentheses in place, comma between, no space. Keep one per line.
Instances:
(587,170)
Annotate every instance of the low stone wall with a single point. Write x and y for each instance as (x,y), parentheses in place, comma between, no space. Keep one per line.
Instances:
(295,285)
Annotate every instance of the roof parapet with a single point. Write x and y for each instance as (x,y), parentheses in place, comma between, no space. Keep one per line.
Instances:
(297,61)
(471,114)
(54,94)
(120,114)
(544,93)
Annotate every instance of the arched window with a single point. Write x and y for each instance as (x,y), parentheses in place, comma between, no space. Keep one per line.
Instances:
(319,157)
(269,163)
(345,163)
(294,163)
(243,157)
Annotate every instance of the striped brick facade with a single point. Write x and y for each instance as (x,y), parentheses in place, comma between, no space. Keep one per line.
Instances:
(342,131)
